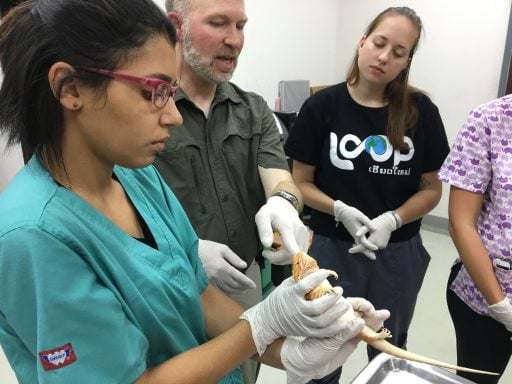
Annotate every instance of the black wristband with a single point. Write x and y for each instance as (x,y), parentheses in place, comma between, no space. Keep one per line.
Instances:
(289,197)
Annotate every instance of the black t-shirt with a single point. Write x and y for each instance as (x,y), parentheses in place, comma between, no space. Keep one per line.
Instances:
(354,160)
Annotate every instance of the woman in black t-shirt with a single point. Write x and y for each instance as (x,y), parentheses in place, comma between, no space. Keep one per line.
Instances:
(366,151)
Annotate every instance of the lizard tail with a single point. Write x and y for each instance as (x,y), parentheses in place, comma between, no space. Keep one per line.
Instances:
(303,265)
(390,349)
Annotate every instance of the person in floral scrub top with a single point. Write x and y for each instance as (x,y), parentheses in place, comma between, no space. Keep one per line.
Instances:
(479,170)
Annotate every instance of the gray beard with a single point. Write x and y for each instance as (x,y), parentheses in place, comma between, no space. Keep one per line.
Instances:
(202,66)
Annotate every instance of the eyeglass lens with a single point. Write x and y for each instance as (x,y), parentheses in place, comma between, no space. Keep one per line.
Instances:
(162,93)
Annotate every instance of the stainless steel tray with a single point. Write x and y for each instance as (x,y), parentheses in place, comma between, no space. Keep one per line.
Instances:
(386,369)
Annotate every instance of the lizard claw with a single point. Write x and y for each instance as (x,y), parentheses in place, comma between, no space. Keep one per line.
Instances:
(384,333)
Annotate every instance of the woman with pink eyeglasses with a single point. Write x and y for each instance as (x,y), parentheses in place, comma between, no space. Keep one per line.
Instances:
(99,270)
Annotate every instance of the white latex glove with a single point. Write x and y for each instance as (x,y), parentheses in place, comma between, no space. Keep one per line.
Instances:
(285,312)
(314,358)
(354,220)
(279,215)
(359,248)
(282,256)
(372,317)
(220,264)
(502,312)
(382,225)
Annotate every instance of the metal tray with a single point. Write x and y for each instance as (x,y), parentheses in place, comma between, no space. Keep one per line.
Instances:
(386,369)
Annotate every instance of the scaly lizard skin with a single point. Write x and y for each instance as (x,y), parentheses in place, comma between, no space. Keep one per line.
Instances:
(304,264)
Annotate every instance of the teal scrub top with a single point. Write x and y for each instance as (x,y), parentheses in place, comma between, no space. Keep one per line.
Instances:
(84,302)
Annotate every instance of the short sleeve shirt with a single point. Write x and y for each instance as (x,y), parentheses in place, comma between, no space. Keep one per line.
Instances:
(480,161)
(354,160)
(82,301)
(211,164)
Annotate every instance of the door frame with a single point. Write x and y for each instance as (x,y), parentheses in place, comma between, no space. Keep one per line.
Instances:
(505,87)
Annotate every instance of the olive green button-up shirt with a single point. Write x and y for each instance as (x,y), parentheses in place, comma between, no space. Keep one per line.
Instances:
(211,164)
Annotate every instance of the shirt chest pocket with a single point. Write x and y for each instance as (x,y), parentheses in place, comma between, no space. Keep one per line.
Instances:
(241,138)
(241,143)
(240,151)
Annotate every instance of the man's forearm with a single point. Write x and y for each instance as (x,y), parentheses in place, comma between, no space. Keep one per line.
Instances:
(275,180)
(290,187)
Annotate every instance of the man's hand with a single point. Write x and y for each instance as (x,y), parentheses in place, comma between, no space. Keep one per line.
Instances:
(220,264)
(280,216)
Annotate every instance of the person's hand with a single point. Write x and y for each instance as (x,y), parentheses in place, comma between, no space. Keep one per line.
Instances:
(382,225)
(359,248)
(372,317)
(220,264)
(314,358)
(502,312)
(354,220)
(280,216)
(285,312)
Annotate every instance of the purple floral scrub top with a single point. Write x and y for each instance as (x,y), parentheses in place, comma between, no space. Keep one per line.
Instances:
(480,161)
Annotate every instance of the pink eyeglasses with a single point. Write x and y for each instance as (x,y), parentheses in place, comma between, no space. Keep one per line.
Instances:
(161,90)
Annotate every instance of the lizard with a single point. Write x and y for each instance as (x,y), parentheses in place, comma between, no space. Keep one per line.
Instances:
(303,265)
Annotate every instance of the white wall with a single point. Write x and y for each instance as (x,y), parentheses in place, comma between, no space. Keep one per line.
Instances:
(288,40)
(161,3)
(11,159)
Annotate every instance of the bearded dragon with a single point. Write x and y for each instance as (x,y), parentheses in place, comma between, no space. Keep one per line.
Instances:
(303,265)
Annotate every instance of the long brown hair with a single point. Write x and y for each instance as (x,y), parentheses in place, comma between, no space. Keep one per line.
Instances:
(403,111)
